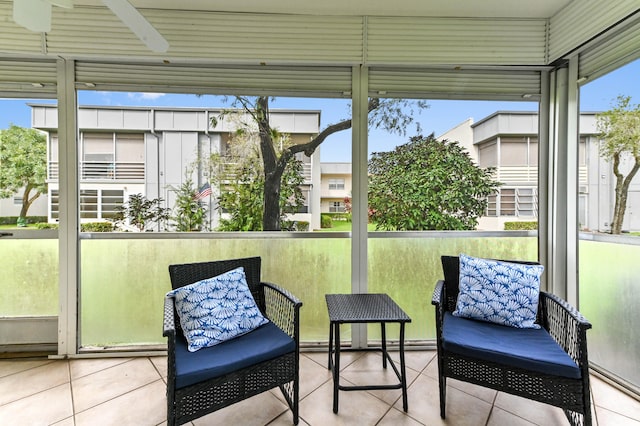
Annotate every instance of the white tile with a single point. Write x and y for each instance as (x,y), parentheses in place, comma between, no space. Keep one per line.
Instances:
(610,418)
(8,367)
(533,411)
(396,417)
(608,397)
(462,409)
(82,367)
(256,411)
(46,407)
(368,370)
(500,418)
(99,387)
(32,381)
(140,407)
(485,394)
(355,408)
(160,362)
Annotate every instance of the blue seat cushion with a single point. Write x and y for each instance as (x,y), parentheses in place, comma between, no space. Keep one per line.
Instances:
(526,348)
(264,343)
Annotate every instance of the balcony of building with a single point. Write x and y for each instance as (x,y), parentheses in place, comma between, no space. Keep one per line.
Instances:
(84,295)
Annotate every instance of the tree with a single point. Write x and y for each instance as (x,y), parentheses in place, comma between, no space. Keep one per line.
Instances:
(393,115)
(242,194)
(142,213)
(189,215)
(620,132)
(23,165)
(427,184)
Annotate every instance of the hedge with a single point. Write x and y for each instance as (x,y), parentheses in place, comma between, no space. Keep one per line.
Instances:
(520,226)
(12,220)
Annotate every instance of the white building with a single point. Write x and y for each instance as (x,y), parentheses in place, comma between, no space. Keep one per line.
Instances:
(508,141)
(150,150)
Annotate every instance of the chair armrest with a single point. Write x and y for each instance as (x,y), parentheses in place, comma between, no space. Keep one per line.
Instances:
(566,325)
(438,294)
(438,301)
(169,324)
(283,309)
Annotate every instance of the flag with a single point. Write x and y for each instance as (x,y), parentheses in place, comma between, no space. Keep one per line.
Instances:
(205,190)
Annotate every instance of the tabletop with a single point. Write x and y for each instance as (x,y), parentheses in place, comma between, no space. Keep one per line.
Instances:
(370,307)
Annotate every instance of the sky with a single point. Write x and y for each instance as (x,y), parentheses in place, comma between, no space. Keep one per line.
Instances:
(440,116)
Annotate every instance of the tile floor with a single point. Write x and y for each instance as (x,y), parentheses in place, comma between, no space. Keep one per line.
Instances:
(131,391)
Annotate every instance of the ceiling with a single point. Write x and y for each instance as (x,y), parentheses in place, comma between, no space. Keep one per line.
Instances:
(451,8)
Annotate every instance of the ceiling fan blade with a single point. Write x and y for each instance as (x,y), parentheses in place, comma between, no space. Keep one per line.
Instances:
(34,15)
(138,24)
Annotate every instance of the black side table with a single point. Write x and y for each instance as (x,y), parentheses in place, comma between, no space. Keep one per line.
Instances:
(365,308)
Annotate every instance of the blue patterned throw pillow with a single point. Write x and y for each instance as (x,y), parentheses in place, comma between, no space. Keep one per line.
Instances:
(217,309)
(500,292)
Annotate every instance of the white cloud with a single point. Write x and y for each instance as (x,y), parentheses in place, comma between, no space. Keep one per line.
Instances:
(145,95)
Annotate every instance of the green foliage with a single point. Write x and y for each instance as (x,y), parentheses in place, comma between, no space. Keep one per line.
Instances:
(96,227)
(44,225)
(393,115)
(620,129)
(326,221)
(189,214)
(301,225)
(12,220)
(142,213)
(242,177)
(516,226)
(339,216)
(427,184)
(23,160)
(620,133)
(242,200)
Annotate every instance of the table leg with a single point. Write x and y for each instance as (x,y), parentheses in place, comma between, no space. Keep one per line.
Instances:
(330,361)
(336,367)
(403,372)
(384,345)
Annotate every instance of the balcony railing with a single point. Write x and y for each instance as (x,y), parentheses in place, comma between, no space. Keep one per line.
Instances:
(526,174)
(130,272)
(105,170)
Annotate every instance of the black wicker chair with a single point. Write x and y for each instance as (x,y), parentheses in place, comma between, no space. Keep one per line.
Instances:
(565,324)
(186,402)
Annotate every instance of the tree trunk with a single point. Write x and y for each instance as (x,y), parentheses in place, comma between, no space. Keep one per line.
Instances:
(271,211)
(274,167)
(621,190)
(26,202)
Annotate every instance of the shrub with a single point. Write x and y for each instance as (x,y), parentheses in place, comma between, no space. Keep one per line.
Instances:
(45,225)
(96,227)
(302,225)
(524,226)
(12,220)
(326,221)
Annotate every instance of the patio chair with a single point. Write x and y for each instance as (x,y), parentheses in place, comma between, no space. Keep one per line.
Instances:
(548,364)
(215,377)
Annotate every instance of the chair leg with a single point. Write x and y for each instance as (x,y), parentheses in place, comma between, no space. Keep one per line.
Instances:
(296,399)
(442,382)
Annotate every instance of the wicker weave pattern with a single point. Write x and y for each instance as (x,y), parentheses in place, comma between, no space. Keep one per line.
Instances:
(202,398)
(563,322)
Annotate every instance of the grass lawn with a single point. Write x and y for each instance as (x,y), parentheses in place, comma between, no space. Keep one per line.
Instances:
(345,226)
(14,226)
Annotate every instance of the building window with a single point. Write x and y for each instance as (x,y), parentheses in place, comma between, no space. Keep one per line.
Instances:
(508,202)
(492,206)
(336,184)
(521,202)
(17,200)
(336,207)
(112,156)
(94,203)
